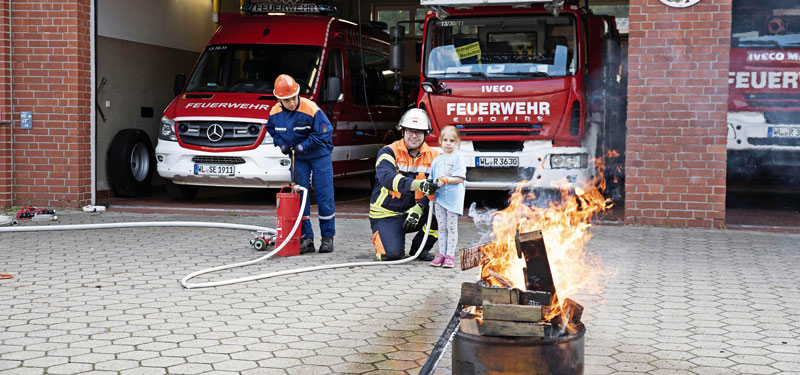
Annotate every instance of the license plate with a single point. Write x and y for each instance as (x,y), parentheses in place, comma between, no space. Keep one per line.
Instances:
(784,132)
(497,161)
(214,169)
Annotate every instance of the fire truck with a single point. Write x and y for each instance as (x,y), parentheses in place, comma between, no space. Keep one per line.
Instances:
(213,133)
(533,87)
(763,96)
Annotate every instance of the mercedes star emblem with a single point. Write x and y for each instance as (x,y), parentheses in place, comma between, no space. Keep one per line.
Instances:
(215,132)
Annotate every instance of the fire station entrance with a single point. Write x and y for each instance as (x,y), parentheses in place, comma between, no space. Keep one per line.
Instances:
(680,63)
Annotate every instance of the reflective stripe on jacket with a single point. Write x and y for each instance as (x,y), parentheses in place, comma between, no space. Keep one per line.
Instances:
(395,170)
(306,128)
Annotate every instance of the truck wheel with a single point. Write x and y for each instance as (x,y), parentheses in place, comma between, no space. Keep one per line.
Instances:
(181,192)
(130,163)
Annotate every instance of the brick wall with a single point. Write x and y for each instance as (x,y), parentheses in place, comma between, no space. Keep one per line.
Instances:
(5,107)
(677,103)
(51,78)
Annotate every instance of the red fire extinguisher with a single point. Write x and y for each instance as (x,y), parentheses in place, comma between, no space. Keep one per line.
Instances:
(288,206)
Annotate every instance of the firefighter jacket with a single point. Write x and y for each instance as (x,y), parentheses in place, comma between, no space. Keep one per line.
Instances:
(307,129)
(395,170)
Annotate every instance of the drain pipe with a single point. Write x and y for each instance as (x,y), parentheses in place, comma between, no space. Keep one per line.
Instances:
(11,93)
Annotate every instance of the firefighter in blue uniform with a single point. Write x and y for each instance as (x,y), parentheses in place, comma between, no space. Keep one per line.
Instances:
(298,126)
(402,194)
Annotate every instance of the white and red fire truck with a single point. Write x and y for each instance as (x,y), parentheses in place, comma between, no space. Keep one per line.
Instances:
(532,86)
(763,94)
(213,133)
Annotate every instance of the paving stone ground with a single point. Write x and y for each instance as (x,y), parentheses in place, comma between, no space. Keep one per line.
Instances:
(682,301)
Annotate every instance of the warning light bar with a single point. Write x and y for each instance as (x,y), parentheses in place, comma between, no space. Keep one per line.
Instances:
(288,8)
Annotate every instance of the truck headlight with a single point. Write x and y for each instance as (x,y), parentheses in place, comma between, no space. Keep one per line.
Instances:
(569,161)
(267,140)
(167,131)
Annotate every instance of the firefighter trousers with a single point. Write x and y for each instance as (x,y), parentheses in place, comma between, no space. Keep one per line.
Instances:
(319,172)
(389,237)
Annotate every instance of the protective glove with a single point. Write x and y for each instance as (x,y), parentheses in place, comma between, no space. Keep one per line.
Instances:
(413,215)
(287,150)
(427,187)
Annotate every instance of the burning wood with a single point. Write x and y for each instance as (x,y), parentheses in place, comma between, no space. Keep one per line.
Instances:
(507,311)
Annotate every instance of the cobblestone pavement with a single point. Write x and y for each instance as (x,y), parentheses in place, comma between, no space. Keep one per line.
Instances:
(683,301)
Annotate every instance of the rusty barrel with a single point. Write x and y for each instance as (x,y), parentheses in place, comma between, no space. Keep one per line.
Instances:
(474,354)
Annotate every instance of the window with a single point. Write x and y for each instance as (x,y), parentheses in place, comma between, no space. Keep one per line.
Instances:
(392,14)
(379,87)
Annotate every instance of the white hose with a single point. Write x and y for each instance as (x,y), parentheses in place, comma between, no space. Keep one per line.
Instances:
(185,280)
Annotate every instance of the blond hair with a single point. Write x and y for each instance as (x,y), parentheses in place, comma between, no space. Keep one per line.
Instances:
(450,128)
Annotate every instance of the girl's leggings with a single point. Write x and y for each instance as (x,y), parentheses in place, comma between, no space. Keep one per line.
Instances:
(448,230)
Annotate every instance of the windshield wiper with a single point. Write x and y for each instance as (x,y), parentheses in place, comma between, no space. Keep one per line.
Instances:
(527,74)
(473,74)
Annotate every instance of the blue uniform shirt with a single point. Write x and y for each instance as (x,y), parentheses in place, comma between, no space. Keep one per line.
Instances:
(450,196)
(306,128)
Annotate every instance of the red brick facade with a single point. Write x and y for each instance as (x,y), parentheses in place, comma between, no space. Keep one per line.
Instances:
(51,64)
(677,105)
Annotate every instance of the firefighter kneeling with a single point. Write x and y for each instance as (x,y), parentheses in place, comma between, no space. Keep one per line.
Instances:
(403,192)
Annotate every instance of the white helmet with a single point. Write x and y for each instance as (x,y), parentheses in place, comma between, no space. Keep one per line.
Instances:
(416,119)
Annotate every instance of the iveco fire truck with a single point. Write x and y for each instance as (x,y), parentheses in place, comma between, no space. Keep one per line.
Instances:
(213,133)
(532,86)
(763,96)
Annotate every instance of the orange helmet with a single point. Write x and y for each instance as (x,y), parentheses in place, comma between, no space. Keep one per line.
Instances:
(285,87)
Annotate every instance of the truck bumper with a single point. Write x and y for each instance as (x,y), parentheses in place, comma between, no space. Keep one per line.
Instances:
(534,170)
(262,167)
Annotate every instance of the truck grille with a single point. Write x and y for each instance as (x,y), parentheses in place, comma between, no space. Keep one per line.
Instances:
(499,174)
(497,146)
(505,129)
(772,100)
(774,141)
(234,134)
(218,160)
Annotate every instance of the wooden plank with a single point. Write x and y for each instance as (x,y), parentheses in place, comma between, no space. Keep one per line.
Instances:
(499,295)
(530,246)
(534,297)
(471,257)
(470,326)
(504,328)
(473,294)
(517,313)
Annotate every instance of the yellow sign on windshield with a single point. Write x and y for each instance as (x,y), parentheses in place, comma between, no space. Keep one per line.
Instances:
(469,50)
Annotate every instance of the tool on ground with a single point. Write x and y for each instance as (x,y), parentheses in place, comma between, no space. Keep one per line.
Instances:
(5,220)
(262,240)
(287,205)
(4,276)
(36,214)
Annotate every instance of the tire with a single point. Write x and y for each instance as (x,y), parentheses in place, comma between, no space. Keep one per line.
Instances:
(181,192)
(131,161)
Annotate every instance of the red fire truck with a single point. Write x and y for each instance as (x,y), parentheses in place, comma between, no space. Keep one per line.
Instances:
(213,133)
(532,86)
(763,96)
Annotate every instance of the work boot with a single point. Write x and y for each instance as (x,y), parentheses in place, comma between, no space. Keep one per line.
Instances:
(306,245)
(327,245)
(425,256)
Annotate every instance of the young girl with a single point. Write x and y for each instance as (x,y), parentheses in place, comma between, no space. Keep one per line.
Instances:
(449,172)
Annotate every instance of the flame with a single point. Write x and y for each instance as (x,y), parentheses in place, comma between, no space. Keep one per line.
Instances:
(565,227)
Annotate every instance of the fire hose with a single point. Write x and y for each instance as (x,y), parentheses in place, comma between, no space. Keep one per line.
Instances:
(185,280)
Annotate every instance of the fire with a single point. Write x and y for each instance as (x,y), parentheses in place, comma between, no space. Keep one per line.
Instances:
(565,228)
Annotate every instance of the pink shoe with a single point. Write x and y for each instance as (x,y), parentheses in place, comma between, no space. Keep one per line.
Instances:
(437,262)
(449,262)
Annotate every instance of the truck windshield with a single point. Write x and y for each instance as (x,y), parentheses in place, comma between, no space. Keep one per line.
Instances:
(770,24)
(500,48)
(249,68)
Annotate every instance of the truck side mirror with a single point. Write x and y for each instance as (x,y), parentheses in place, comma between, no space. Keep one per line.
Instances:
(334,90)
(396,53)
(180,81)
(611,51)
